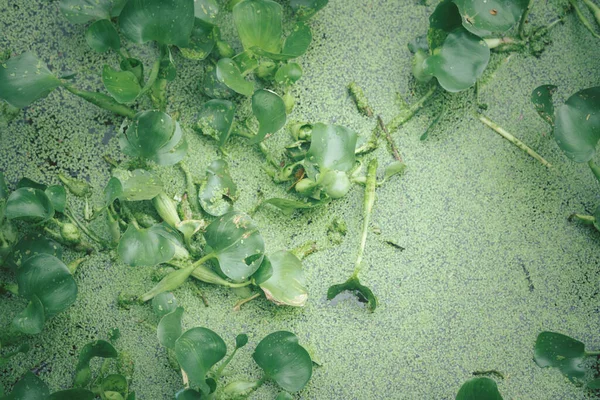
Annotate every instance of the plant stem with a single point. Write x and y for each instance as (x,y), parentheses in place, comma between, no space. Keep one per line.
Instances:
(222,367)
(498,129)
(369,201)
(152,77)
(101,100)
(592,353)
(240,303)
(205,274)
(406,114)
(389,139)
(594,9)
(524,19)
(360,99)
(586,219)
(190,187)
(595,169)
(89,233)
(583,19)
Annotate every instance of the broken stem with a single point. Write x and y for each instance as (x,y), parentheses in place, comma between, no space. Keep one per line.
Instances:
(406,114)
(389,139)
(240,303)
(367,210)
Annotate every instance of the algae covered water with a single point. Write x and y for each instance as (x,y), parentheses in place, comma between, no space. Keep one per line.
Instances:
(470,252)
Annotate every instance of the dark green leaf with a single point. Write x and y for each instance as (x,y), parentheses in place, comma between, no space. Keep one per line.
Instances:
(258,23)
(117,7)
(29,183)
(73,394)
(188,394)
(112,191)
(237,244)
(212,86)
(479,389)
(594,384)
(165,21)
(30,387)
(241,340)
(197,350)
(332,148)
(578,125)
(562,352)
(167,70)
(288,74)
(135,66)
(152,246)
(30,205)
(115,383)
(269,110)
(298,41)
(102,36)
(216,119)
(163,304)
(305,9)
(31,320)
(122,85)
(31,245)
(136,185)
(82,11)
(281,278)
(484,18)
(445,17)
(201,41)
(25,79)
(284,360)
(169,328)
(246,61)
(4,192)
(229,74)
(206,10)
(218,191)
(57,196)
(98,348)
(541,97)
(289,206)
(353,285)
(284,396)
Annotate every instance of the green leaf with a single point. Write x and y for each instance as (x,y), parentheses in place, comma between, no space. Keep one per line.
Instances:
(288,74)
(218,191)
(112,191)
(29,205)
(459,62)
(284,360)
(479,389)
(541,97)
(25,79)
(135,66)
(136,185)
(29,387)
(4,192)
(73,394)
(152,246)
(98,348)
(212,87)
(115,383)
(305,9)
(562,352)
(165,21)
(593,384)
(241,340)
(577,129)
(31,320)
(395,168)
(258,23)
(353,285)
(216,119)
(197,350)
(163,304)
(169,328)
(154,135)
(269,110)
(122,85)
(206,10)
(332,148)
(237,244)
(298,41)
(229,74)
(445,17)
(246,61)
(50,280)
(288,207)
(28,183)
(201,41)
(102,36)
(188,394)
(31,245)
(82,11)
(57,196)
(281,278)
(484,18)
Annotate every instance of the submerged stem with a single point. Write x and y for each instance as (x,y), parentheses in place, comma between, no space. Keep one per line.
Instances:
(190,187)
(88,232)
(369,201)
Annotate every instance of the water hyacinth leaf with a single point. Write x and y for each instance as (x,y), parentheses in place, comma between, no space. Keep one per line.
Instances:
(29,183)
(246,61)
(288,207)
(237,244)
(197,350)
(394,168)
(459,62)
(31,320)
(29,387)
(147,247)
(269,110)
(218,191)
(201,41)
(188,394)
(298,41)
(206,10)
(122,85)
(284,360)
(484,18)
(167,70)
(445,17)
(577,129)
(541,97)
(115,383)
(563,352)
(4,192)
(136,185)
(241,340)
(102,36)
(353,285)
(29,205)
(25,79)
(73,394)
(216,119)
(288,74)
(31,245)
(332,148)
(112,191)
(98,348)
(134,66)
(57,196)
(229,74)
(165,21)
(212,87)
(282,280)
(593,384)
(305,9)
(258,23)
(163,304)
(169,328)
(82,11)
(117,7)
(479,389)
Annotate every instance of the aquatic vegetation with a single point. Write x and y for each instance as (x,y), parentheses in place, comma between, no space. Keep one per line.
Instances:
(479,389)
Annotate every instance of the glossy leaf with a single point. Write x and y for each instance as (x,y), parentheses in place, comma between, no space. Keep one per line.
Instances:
(136,185)
(459,62)
(29,387)
(122,85)
(82,11)
(188,394)
(25,79)
(284,360)
(269,110)
(152,246)
(332,148)
(445,17)
(241,340)
(229,74)
(135,66)
(163,304)
(288,207)
(295,44)
(484,18)
(577,129)
(165,21)
(98,348)
(353,285)
(282,279)
(102,36)
(258,23)
(201,41)
(237,244)
(541,97)
(395,168)
(246,61)
(206,10)
(212,87)
(197,350)
(218,191)
(562,352)
(57,196)
(154,135)
(29,183)
(288,74)
(73,394)
(479,389)
(31,320)
(169,328)
(31,245)
(30,205)
(305,9)
(216,119)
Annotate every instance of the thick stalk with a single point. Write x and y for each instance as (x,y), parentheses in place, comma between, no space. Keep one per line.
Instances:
(225,363)
(205,274)
(594,9)
(103,101)
(524,19)
(369,201)
(190,187)
(152,77)
(499,130)
(239,304)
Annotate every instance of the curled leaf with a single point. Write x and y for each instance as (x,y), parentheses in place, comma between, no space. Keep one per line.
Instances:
(353,285)
(541,97)
(219,191)
(229,74)
(30,205)
(258,23)
(281,278)
(122,85)
(152,246)
(169,328)
(216,119)
(305,9)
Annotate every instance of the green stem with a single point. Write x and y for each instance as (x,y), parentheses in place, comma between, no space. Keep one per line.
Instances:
(101,100)
(592,353)
(406,114)
(389,139)
(369,201)
(222,367)
(595,169)
(524,19)
(206,274)
(586,219)
(499,130)
(240,303)
(88,232)
(583,19)
(270,159)
(594,9)
(152,77)
(190,187)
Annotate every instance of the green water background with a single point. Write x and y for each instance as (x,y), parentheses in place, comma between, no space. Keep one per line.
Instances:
(490,259)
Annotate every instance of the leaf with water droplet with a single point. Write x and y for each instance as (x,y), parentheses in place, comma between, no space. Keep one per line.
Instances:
(123,86)
(563,352)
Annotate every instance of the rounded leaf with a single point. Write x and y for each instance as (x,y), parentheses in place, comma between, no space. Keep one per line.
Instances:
(563,352)
(206,10)
(241,340)
(216,119)
(115,383)
(31,245)
(169,328)
(57,196)
(201,41)
(258,23)
(269,110)
(331,148)
(30,205)
(212,87)
(31,320)
(284,360)
(164,303)
(479,389)
(484,18)
(288,74)
(305,9)
(229,74)
(72,394)
(102,36)
(541,97)
(147,247)
(282,279)
(218,191)
(122,85)
(82,11)
(188,394)
(29,387)
(136,185)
